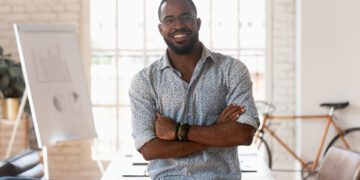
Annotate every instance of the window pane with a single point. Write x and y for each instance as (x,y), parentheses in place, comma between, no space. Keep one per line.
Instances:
(126,140)
(103,74)
(105,120)
(203,8)
(228,52)
(224,24)
(131,24)
(128,66)
(254,60)
(153,57)
(153,37)
(102,24)
(252,17)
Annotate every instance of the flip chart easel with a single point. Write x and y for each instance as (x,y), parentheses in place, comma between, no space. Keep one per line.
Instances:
(55,86)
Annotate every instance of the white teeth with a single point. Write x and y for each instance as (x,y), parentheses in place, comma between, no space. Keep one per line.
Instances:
(179,35)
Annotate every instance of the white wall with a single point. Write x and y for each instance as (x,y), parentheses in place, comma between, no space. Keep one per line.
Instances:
(281,79)
(329,63)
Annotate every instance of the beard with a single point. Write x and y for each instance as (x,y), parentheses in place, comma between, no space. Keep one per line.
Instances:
(187,48)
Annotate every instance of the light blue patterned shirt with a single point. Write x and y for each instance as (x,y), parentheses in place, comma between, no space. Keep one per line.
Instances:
(217,82)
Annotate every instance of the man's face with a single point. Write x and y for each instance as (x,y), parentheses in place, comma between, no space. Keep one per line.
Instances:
(179,26)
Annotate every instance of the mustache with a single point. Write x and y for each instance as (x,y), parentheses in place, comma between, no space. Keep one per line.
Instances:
(182,30)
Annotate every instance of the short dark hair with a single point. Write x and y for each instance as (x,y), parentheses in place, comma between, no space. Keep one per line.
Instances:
(189,1)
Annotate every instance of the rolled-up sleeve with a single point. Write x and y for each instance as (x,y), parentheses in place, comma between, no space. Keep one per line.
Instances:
(240,92)
(143,109)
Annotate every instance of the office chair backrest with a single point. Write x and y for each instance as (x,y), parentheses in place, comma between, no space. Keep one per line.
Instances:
(339,164)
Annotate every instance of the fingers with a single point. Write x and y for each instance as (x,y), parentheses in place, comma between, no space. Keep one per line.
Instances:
(227,109)
(165,127)
(224,113)
(236,114)
(158,114)
(231,113)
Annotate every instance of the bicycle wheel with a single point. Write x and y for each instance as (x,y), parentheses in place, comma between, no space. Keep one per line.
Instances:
(264,151)
(352,136)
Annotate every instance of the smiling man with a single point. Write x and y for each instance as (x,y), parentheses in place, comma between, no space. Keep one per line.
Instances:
(192,107)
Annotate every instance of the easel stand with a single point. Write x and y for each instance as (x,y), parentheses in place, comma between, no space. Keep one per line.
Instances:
(17,123)
(44,148)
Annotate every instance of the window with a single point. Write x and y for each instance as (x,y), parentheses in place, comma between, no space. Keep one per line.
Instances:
(125,39)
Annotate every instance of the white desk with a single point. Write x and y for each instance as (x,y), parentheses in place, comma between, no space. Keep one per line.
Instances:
(130,165)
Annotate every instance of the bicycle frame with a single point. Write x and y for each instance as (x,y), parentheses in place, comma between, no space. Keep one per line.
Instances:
(329,121)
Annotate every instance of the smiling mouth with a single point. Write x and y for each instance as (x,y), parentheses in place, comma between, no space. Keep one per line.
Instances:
(180,37)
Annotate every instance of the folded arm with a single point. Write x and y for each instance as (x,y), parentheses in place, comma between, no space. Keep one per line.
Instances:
(225,134)
(164,145)
(163,149)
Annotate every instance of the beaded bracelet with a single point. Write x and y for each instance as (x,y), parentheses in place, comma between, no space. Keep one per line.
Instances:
(183,132)
(177,129)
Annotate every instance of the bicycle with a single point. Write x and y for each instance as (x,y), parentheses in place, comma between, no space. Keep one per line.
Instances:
(344,137)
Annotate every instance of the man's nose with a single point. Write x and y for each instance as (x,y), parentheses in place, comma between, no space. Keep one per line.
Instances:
(179,24)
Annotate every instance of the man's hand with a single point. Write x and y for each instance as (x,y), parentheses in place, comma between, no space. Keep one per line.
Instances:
(231,113)
(165,127)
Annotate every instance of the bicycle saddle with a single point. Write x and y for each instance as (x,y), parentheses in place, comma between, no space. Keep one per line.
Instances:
(339,105)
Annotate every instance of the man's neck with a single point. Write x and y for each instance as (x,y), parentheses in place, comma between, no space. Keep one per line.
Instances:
(185,62)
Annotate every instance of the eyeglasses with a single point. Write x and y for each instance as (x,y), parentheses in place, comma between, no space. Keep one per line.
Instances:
(184,19)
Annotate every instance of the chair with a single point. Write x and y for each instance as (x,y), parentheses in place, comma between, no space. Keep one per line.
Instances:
(26,165)
(340,164)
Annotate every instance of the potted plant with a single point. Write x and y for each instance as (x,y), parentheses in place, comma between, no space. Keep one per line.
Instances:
(12,85)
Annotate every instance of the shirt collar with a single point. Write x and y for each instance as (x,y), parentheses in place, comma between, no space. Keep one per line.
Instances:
(205,55)
(165,62)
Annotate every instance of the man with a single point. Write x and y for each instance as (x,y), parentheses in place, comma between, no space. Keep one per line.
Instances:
(192,107)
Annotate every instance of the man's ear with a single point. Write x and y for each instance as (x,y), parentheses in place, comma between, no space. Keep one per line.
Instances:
(198,23)
(160,28)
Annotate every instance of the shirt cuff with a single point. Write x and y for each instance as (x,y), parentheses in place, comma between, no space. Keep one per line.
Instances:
(247,119)
(143,138)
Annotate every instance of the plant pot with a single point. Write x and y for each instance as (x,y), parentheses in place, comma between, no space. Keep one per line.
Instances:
(9,107)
